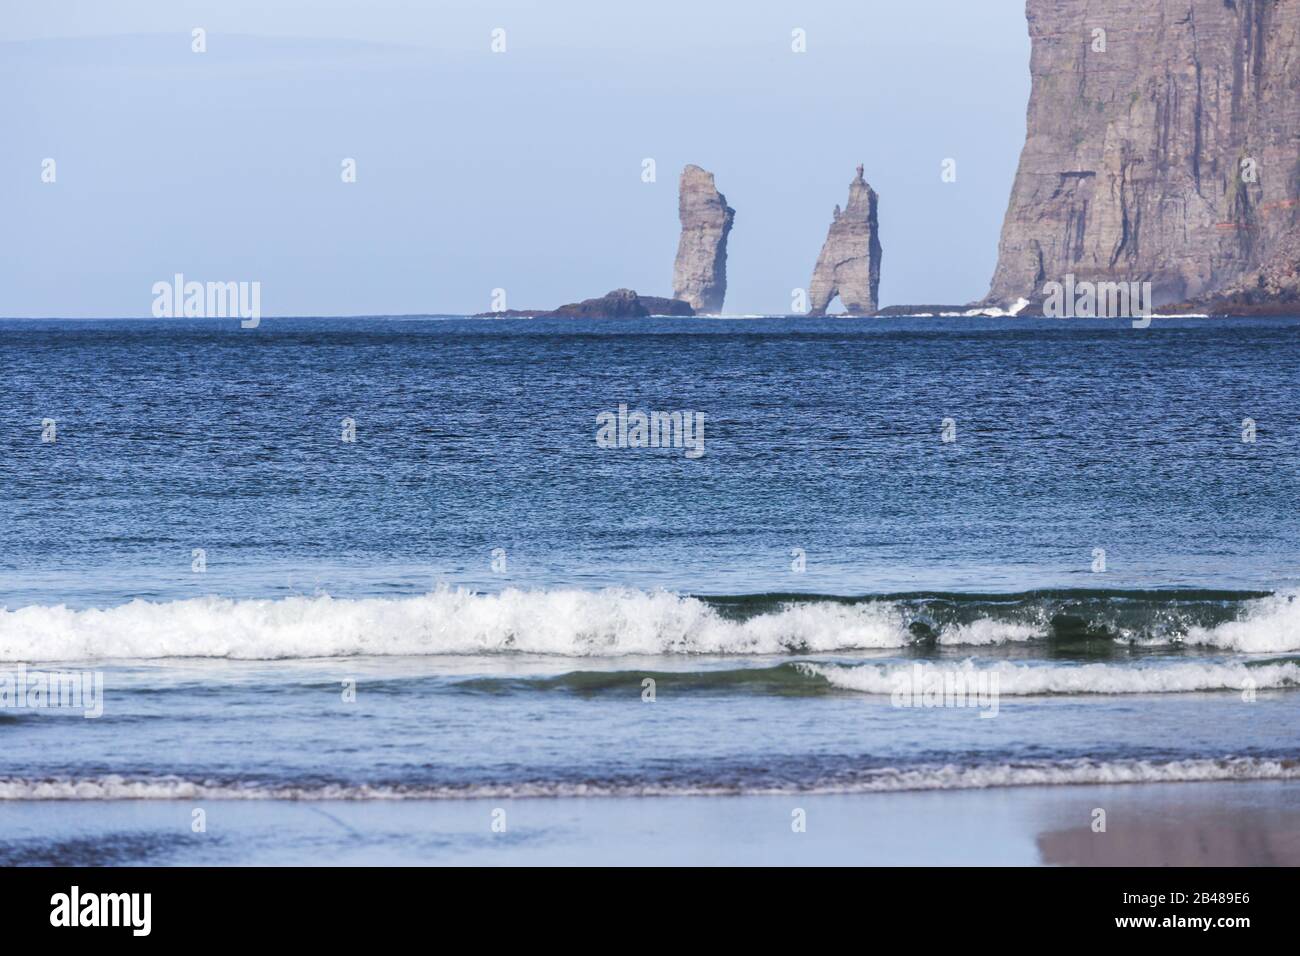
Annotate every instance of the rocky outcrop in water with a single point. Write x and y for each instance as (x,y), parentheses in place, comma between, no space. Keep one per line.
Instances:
(700,271)
(662,305)
(1163,145)
(622,304)
(849,264)
(619,304)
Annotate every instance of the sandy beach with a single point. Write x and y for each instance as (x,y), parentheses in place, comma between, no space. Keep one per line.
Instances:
(1217,824)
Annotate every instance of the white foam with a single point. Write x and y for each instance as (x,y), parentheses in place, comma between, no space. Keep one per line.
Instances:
(567,622)
(986,631)
(577,623)
(992,312)
(1269,625)
(882,780)
(1023,680)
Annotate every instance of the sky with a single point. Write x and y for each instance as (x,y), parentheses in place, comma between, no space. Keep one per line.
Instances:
(478,170)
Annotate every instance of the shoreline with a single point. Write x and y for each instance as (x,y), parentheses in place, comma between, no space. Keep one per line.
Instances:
(1185,824)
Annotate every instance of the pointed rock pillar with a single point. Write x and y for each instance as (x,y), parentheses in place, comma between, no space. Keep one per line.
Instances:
(849,264)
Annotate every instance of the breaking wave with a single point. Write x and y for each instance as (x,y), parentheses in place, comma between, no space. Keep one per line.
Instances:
(1024,680)
(1014,679)
(877,780)
(627,622)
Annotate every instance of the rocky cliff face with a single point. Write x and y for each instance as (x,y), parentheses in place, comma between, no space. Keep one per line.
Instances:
(1273,289)
(1164,149)
(849,264)
(700,272)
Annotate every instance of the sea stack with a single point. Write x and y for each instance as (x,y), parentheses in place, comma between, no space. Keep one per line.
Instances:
(849,264)
(1161,147)
(700,272)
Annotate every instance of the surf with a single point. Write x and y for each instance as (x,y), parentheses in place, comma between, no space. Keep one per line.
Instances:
(888,779)
(621,622)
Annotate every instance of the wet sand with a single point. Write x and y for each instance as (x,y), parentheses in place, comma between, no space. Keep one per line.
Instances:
(1222,824)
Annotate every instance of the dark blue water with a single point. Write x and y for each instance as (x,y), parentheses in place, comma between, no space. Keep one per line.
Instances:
(477,435)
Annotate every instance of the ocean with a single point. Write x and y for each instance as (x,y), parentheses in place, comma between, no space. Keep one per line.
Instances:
(345,566)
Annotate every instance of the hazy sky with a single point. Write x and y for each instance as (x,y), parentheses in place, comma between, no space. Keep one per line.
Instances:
(476,170)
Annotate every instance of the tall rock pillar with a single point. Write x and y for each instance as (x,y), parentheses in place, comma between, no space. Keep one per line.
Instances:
(849,264)
(700,272)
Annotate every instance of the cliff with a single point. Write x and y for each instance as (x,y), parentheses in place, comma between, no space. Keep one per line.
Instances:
(700,271)
(849,263)
(1164,149)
